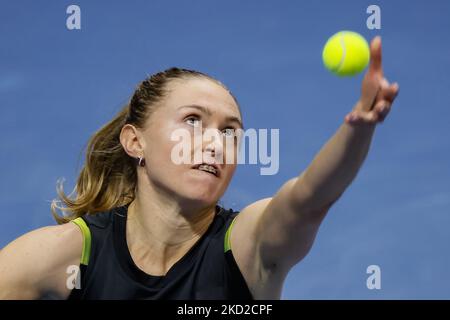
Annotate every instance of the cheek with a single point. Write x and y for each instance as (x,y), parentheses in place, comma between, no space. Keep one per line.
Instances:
(158,149)
(160,143)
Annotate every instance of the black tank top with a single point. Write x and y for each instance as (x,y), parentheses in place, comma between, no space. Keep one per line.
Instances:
(207,271)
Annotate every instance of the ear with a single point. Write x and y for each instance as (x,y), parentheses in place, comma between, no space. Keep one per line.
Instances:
(132,141)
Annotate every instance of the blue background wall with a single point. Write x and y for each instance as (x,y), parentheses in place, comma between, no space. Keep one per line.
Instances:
(57,87)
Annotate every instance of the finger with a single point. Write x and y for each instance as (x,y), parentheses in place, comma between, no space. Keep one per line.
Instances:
(388,93)
(384,83)
(391,92)
(375,55)
(361,117)
(383,86)
(387,90)
(382,108)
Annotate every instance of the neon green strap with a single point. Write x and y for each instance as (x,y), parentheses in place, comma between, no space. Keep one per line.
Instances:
(86,253)
(227,244)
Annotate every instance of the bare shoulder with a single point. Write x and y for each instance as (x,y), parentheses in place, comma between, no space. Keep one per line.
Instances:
(262,283)
(36,263)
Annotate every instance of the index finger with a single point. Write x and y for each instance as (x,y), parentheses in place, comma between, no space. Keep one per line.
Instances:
(375,56)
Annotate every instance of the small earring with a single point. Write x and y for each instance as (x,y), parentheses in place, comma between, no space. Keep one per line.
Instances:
(141,162)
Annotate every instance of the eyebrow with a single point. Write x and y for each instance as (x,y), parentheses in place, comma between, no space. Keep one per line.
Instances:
(209,113)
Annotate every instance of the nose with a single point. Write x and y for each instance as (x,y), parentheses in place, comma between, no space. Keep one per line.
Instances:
(213,145)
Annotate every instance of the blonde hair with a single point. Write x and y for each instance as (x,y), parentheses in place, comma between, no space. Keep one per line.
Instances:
(108,178)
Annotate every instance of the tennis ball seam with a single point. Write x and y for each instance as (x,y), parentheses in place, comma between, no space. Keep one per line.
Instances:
(344,51)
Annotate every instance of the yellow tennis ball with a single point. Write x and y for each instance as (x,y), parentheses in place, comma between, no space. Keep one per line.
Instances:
(346,53)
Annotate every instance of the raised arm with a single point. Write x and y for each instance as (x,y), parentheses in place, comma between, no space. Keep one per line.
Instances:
(282,228)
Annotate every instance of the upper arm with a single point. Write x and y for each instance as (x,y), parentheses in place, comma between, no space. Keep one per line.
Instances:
(36,263)
(278,231)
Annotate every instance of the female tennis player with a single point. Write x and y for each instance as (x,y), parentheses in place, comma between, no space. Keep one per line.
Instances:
(144,227)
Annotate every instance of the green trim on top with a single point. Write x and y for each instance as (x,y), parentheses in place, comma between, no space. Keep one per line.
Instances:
(227,244)
(86,253)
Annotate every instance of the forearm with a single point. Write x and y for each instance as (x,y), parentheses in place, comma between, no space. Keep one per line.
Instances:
(335,166)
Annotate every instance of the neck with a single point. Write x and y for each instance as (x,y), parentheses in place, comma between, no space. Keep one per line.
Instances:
(168,225)
(160,230)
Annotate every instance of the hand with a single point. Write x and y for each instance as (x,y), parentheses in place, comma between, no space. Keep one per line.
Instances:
(377,95)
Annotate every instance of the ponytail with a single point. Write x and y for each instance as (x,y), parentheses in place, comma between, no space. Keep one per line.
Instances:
(106,180)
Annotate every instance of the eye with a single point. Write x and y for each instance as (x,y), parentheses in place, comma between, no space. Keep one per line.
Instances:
(193,120)
(228,132)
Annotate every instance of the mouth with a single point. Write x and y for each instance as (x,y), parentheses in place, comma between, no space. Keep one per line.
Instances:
(210,168)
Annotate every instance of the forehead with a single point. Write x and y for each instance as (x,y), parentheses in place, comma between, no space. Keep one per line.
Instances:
(203,92)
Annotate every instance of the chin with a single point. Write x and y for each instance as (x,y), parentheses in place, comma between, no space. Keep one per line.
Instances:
(203,199)
(197,204)
(200,190)
(199,196)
